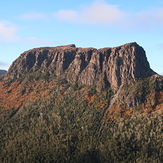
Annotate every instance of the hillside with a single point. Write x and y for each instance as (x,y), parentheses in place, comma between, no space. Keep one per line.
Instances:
(70,104)
(123,70)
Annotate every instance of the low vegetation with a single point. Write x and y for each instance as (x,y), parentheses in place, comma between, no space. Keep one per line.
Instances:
(69,126)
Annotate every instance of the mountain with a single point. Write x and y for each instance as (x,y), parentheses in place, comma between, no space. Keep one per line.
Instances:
(3,72)
(102,67)
(72,104)
(124,70)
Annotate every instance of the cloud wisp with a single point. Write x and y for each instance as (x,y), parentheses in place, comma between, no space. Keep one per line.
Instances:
(4,65)
(97,12)
(7,31)
(104,14)
(148,18)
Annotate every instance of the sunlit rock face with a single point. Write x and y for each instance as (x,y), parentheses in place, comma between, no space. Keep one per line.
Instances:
(106,67)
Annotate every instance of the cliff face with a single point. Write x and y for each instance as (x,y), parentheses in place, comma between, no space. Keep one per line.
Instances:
(102,67)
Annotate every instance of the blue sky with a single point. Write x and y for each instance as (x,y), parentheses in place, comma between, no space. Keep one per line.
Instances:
(87,23)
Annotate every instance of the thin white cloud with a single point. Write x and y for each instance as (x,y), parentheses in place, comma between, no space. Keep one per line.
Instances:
(7,31)
(149,18)
(33,16)
(97,12)
(68,15)
(4,65)
(102,13)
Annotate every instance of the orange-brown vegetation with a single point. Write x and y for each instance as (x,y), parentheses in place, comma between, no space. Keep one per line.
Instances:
(154,103)
(14,95)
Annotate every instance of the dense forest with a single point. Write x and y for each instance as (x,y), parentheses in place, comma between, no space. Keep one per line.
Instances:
(67,127)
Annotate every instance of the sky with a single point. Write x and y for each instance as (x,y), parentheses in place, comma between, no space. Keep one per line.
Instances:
(87,23)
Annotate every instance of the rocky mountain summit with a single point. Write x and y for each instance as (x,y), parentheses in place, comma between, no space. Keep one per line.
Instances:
(124,70)
(102,67)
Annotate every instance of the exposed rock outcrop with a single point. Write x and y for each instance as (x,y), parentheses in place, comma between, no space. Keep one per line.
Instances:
(102,67)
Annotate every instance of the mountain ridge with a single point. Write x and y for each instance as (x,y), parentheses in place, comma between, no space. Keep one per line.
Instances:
(124,70)
(114,66)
